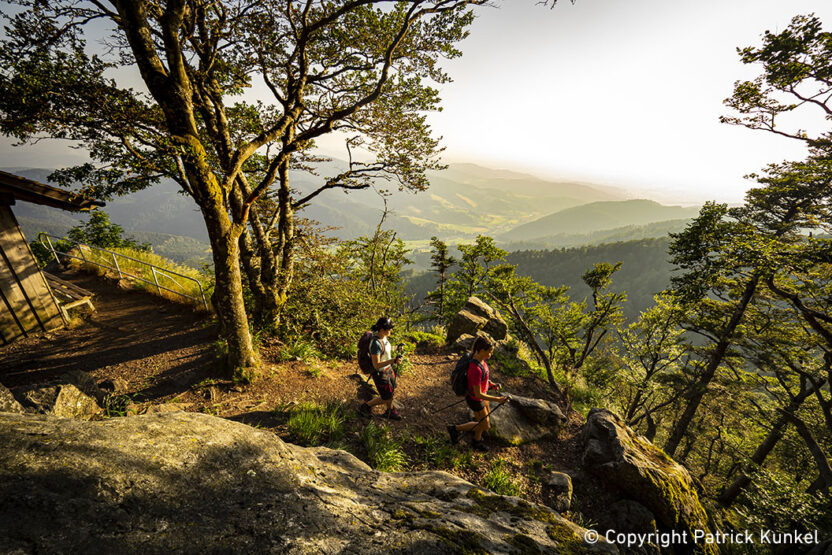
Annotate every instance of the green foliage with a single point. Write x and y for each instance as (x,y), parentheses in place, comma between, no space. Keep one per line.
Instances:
(475,266)
(440,263)
(333,299)
(775,502)
(563,336)
(436,451)
(384,452)
(99,231)
(310,424)
(116,405)
(425,340)
(463,461)
(795,72)
(299,350)
(499,480)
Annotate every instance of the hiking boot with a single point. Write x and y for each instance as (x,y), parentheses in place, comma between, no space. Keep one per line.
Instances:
(365,410)
(454,433)
(392,414)
(479,446)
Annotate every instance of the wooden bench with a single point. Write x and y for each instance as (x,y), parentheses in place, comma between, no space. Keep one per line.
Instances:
(68,294)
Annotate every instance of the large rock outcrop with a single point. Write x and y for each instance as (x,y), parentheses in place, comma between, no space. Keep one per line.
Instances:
(7,401)
(476,316)
(523,420)
(64,400)
(193,483)
(629,463)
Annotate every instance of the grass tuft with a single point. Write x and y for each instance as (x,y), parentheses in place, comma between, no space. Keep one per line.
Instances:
(311,424)
(384,452)
(499,480)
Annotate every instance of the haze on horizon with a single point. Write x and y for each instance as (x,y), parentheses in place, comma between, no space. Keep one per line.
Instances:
(621,94)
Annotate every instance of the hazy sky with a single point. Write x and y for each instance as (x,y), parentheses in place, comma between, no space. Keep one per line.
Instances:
(619,92)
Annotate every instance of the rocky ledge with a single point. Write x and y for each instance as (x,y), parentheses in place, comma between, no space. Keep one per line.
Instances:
(187,482)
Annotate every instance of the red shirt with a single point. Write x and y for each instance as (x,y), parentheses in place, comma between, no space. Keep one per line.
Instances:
(477,378)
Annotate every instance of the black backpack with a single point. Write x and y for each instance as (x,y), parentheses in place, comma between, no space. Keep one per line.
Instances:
(459,375)
(365,363)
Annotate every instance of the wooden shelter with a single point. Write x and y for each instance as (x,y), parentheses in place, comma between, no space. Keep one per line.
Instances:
(27,304)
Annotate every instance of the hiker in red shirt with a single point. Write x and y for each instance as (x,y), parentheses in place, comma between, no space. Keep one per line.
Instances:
(478,397)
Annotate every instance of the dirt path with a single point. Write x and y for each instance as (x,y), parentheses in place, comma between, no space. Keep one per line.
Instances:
(165,354)
(146,341)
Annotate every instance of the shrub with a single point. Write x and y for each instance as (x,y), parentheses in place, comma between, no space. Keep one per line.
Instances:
(310,424)
(498,479)
(299,350)
(333,299)
(425,340)
(384,452)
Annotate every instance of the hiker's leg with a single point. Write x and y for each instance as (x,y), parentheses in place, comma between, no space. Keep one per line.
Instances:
(467,427)
(484,425)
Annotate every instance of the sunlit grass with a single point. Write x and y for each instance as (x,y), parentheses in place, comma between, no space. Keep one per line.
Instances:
(164,275)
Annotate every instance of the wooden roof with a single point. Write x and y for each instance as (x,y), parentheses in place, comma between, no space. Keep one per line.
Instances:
(19,188)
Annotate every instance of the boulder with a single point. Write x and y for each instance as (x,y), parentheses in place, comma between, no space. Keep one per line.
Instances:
(165,407)
(560,485)
(629,463)
(477,316)
(113,386)
(523,420)
(464,323)
(464,342)
(83,381)
(627,515)
(7,401)
(190,482)
(63,400)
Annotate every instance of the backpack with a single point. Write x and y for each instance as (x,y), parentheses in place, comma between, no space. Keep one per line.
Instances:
(364,361)
(459,375)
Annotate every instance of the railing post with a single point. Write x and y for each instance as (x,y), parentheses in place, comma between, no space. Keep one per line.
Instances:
(52,248)
(156,280)
(201,292)
(81,248)
(118,268)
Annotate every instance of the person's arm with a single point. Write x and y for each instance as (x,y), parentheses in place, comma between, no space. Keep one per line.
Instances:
(376,350)
(474,385)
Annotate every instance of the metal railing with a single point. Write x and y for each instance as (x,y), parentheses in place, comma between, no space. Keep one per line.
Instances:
(156,271)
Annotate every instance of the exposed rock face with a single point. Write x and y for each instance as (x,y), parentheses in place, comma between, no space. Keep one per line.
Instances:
(477,316)
(113,386)
(7,401)
(626,515)
(523,420)
(633,465)
(63,400)
(187,482)
(561,486)
(85,383)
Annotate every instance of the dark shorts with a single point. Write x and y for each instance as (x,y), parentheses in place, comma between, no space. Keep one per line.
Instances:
(474,404)
(385,383)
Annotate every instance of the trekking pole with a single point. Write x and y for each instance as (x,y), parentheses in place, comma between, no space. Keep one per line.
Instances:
(492,412)
(449,406)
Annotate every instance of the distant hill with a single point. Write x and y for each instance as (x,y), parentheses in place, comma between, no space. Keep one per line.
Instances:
(616,235)
(462,201)
(598,216)
(644,272)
